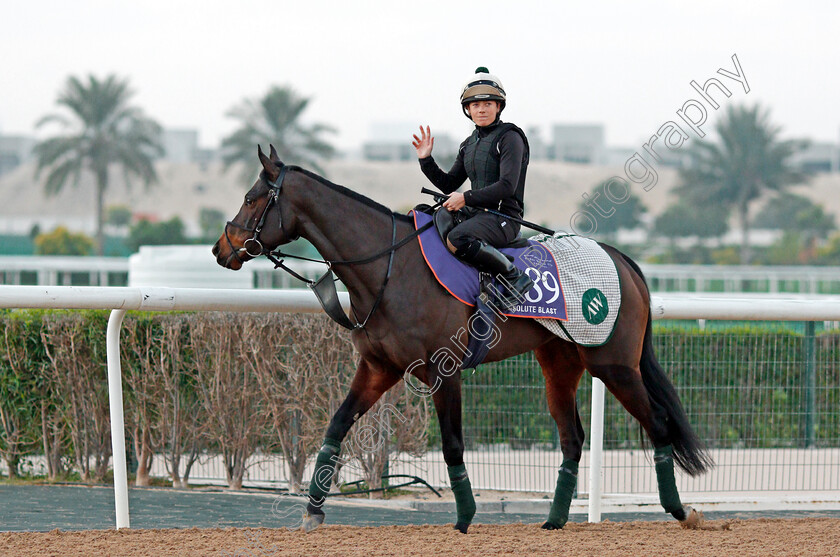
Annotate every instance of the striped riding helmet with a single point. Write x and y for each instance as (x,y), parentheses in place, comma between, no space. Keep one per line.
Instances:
(483,86)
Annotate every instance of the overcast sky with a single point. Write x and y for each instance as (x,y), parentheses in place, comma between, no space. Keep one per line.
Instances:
(627,65)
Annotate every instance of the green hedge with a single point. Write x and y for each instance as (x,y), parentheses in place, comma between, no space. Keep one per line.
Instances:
(54,390)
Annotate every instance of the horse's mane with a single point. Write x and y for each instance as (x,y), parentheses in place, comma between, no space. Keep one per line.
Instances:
(353,195)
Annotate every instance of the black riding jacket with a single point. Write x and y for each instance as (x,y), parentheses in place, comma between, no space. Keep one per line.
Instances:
(495,159)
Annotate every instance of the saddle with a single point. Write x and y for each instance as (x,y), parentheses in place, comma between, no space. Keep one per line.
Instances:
(445,221)
(465,283)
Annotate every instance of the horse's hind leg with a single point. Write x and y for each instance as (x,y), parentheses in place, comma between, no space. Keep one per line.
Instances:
(563,369)
(628,367)
(368,385)
(628,387)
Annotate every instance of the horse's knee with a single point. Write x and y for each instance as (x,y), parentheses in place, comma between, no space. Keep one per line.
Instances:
(343,419)
(572,451)
(448,405)
(571,440)
(564,412)
(453,452)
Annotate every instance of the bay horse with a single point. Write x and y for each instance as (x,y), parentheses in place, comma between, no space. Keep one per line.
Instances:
(414,317)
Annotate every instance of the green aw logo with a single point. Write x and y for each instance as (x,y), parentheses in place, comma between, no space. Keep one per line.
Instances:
(594,306)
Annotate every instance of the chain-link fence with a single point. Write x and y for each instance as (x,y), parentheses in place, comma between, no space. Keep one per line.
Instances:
(763,396)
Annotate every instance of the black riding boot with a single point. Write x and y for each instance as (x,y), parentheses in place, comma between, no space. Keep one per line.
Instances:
(516,283)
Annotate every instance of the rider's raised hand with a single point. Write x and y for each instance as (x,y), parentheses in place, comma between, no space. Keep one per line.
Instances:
(424,143)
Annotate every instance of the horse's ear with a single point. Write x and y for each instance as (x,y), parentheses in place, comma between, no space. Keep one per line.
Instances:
(272,170)
(274,156)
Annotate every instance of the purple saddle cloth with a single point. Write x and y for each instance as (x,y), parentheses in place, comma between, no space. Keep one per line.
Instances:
(545,300)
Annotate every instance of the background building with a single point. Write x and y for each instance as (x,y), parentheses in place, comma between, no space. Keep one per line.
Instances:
(15,150)
(180,145)
(580,143)
(818,157)
(391,141)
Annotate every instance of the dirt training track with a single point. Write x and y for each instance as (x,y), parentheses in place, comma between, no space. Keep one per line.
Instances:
(764,537)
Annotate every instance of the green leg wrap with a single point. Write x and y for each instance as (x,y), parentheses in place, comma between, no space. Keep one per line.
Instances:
(322,478)
(668,496)
(566,483)
(464,500)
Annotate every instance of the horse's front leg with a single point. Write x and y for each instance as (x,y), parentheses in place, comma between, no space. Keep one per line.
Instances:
(562,369)
(447,401)
(368,385)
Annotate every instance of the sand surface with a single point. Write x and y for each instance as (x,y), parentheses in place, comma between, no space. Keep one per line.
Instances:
(742,538)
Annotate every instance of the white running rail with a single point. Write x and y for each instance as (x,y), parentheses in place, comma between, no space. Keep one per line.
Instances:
(119,300)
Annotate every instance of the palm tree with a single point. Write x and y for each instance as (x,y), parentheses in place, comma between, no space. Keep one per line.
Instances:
(103,130)
(275,119)
(748,162)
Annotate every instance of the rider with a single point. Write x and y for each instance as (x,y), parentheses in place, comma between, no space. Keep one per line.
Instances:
(495,159)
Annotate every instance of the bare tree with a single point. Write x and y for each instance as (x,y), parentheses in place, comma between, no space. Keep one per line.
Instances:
(396,425)
(78,366)
(228,391)
(182,423)
(303,364)
(141,349)
(53,435)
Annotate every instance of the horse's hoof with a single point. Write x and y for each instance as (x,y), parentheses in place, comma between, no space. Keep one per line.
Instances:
(550,526)
(693,519)
(311,521)
(462,527)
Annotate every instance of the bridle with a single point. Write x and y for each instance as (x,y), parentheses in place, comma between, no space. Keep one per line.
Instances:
(324,287)
(257,249)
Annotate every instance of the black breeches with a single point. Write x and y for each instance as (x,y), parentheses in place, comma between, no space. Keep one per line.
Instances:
(491,229)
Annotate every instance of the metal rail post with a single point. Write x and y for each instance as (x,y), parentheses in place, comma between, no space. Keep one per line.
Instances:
(810,384)
(117,423)
(596,450)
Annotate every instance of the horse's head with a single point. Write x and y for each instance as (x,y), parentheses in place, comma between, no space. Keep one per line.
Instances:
(264,221)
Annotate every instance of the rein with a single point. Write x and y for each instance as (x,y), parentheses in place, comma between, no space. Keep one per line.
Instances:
(324,287)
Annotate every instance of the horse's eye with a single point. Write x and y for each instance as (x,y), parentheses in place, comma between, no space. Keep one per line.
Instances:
(248,201)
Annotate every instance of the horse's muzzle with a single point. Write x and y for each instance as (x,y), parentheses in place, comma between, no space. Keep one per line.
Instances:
(226,258)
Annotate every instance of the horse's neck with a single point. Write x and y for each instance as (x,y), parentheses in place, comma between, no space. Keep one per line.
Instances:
(343,229)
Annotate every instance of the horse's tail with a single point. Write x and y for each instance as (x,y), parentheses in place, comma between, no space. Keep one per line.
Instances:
(690,453)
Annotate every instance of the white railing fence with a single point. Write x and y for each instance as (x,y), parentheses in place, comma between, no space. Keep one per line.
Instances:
(120,300)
